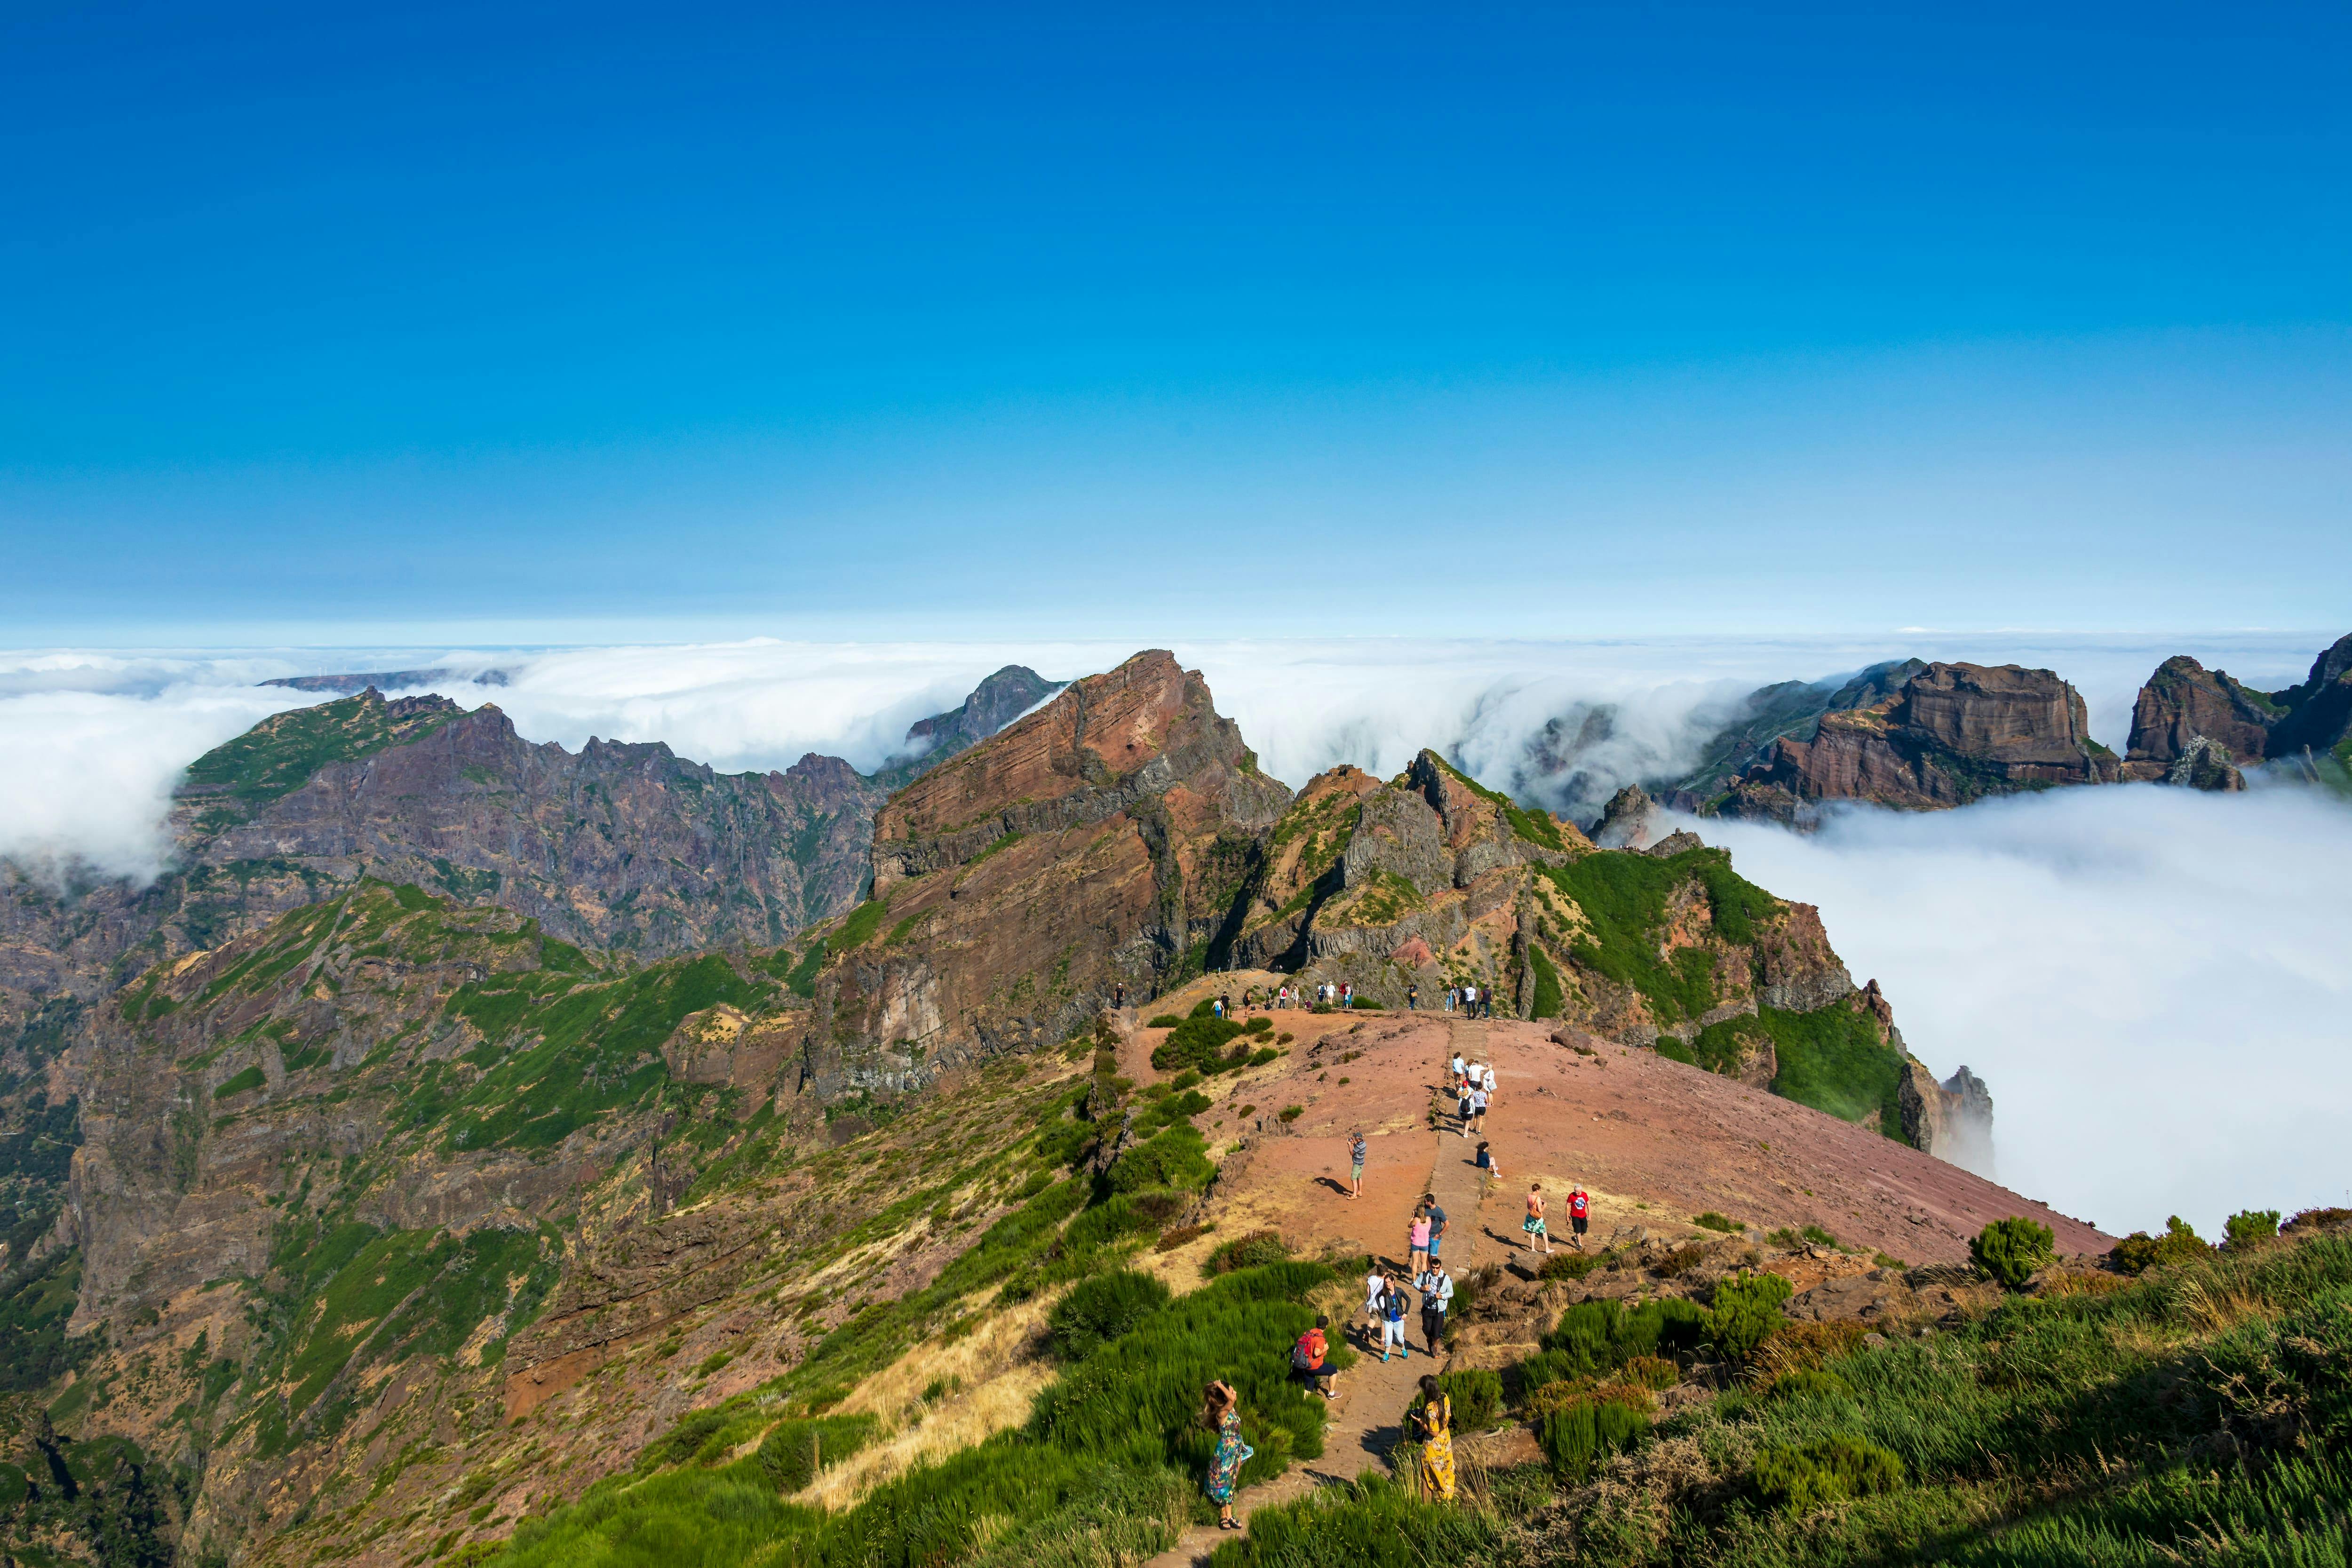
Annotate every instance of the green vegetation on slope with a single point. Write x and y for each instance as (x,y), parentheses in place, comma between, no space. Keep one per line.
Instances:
(1536,827)
(2203,1416)
(1624,899)
(1830,1059)
(281,754)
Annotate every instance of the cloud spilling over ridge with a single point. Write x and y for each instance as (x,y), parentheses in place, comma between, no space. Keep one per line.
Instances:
(94,741)
(2153,981)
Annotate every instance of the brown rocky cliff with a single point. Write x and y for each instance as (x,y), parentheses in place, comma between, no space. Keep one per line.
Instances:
(2184,703)
(1955,732)
(2320,716)
(1100,842)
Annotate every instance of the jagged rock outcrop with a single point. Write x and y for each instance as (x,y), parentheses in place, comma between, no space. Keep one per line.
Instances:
(1952,1120)
(2182,703)
(1952,734)
(2318,718)
(1098,843)
(995,702)
(1624,821)
(1789,708)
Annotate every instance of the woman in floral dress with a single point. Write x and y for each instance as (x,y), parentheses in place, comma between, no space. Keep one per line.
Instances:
(1220,1413)
(1433,1426)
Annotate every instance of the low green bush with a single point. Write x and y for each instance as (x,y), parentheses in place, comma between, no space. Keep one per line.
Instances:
(794,1451)
(1807,1383)
(1164,1021)
(1577,1436)
(1592,1338)
(1254,1249)
(1260,1026)
(2011,1250)
(1476,1395)
(1373,1522)
(1103,1308)
(1569,1266)
(1711,1220)
(2139,1252)
(1265,1054)
(1177,1157)
(1197,1043)
(2249,1226)
(1801,1476)
(1745,1312)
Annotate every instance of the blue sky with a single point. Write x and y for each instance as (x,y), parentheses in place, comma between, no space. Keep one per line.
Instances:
(542,323)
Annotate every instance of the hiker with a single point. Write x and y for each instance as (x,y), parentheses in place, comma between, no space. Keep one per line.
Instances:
(1451,993)
(1394,1307)
(1224,1005)
(1356,1151)
(1221,1411)
(1417,1240)
(1436,1287)
(1486,1082)
(1216,1006)
(1431,1425)
(1347,994)
(1376,1285)
(1119,994)
(1461,1103)
(1489,1164)
(1436,1225)
(1477,1111)
(1580,1214)
(1534,1224)
(1307,1356)
(1458,1068)
(1413,998)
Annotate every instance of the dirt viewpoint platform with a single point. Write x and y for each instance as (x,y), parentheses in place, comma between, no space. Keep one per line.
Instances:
(1653,1140)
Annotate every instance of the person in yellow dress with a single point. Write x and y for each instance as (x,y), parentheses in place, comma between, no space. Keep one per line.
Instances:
(1431,1425)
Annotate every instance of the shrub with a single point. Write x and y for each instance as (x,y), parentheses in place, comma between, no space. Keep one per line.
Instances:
(1568,1265)
(2011,1250)
(1808,1383)
(1477,1397)
(1164,1021)
(2317,1219)
(1183,1080)
(1254,1250)
(1366,1004)
(2139,1252)
(1195,1043)
(1103,1308)
(1650,1371)
(1819,1237)
(1746,1311)
(1207,1007)
(1801,1476)
(2249,1226)
(1178,1157)
(1265,1054)
(1602,1336)
(1259,1025)
(1796,1345)
(1711,1220)
(1577,1436)
(1290,1114)
(1321,1007)
(1171,1240)
(1680,1261)
(792,1452)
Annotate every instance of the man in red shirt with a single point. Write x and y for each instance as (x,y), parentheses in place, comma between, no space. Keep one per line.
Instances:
(1580,1213)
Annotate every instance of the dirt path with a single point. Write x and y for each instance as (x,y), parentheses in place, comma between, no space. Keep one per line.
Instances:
(1367,1417)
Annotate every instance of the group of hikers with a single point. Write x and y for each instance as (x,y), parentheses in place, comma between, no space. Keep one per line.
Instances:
(1388,1303)
(1473,1001)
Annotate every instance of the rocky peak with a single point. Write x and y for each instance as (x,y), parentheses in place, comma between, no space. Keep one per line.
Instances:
(2187,714)
(1625,822)
(1953,733)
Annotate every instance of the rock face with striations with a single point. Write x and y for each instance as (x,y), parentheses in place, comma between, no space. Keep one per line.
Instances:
(2319,716)
(2186,714)
(1097,844)
(1952,734)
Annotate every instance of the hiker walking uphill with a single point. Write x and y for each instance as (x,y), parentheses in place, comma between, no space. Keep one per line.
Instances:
(1534,1224)
(1393,1309)
(1431,1424)
(1580,1214)
(1436,1287)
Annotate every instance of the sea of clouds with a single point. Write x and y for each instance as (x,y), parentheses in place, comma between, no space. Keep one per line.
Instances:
(2151,980)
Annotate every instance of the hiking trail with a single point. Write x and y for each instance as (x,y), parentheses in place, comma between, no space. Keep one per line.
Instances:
(1367,1415)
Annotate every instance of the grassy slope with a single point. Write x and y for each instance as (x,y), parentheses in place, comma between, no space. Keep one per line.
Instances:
(2200,1415)
(281,754)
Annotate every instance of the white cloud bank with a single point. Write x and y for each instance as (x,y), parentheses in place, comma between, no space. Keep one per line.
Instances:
(2153,982)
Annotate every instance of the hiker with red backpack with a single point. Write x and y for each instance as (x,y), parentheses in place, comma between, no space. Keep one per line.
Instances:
(1307,1357)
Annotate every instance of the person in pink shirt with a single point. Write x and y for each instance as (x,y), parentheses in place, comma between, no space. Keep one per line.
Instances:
(1418,1236)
